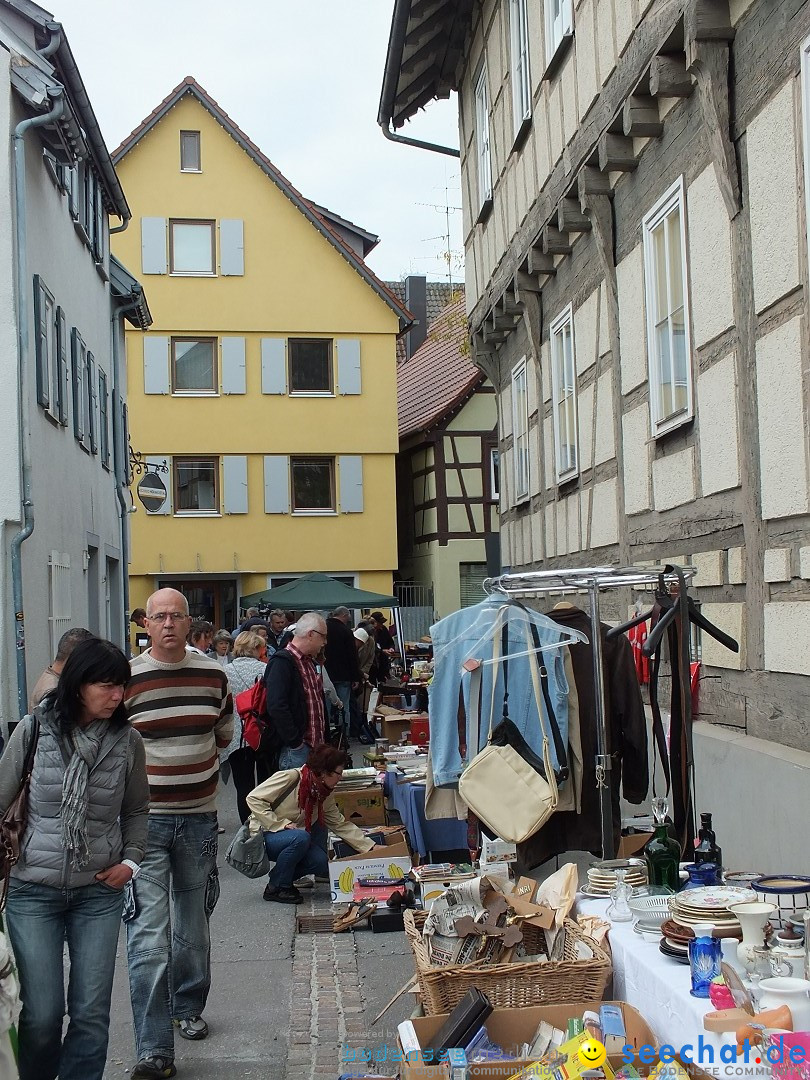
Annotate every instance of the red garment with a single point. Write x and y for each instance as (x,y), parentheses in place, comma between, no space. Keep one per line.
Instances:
(313,695)
(637,635)
(694,679)
(311,793)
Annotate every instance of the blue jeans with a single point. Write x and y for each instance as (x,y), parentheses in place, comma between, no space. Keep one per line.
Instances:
(170,965)
(296,853)
(293,759)
(40,918)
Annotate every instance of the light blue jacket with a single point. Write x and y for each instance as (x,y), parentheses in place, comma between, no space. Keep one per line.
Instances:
(468,633)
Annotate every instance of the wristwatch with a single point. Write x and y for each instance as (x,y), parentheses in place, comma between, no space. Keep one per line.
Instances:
(133,867)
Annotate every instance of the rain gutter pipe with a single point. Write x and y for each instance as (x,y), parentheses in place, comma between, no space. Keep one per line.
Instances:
(56,93)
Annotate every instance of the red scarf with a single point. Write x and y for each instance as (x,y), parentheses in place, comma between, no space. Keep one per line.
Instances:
(311,793)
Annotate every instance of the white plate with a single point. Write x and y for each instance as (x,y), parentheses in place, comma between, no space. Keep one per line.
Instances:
(591,895)
(714,898)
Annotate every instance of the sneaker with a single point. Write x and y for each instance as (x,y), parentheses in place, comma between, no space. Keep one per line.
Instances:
(322,879)
(194,1027)
(284,894)
(154,1065)
(307,882)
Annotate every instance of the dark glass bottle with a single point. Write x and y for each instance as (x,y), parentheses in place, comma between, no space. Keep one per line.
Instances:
(706,849)
(663,856)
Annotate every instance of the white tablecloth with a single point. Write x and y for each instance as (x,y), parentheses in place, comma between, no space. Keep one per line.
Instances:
(659,989)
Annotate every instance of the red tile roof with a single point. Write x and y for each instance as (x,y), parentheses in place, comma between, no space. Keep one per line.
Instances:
(440,376)
(189,85)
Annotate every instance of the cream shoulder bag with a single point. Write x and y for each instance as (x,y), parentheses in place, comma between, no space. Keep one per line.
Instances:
(499,786)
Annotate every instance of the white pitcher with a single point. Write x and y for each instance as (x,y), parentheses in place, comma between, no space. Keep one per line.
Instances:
(790,992)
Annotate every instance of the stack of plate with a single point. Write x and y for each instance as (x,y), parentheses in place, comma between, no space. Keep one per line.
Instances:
(602,875)
(710,904)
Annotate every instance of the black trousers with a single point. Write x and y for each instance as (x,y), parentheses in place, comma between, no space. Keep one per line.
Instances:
(248,769)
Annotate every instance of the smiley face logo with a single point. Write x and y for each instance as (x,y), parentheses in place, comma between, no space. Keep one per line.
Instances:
(592,1054)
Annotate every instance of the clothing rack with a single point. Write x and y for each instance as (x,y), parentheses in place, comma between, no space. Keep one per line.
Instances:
(591,580)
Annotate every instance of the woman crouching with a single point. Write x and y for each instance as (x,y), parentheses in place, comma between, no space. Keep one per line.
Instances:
(85,837)
(294,809)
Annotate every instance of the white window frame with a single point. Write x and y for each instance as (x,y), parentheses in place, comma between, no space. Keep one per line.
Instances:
(563,390)
(806,126)
(520,68)
(673,200)
(520,431)
(482,138)
(494,473)
(558,29)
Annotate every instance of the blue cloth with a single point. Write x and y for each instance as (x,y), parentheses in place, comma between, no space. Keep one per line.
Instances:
(439,834)
(40,918)
(468,633)
(290,758)
(170,966)
(296,853)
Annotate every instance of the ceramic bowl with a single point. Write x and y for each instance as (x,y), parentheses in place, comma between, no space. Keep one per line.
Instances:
(650,908)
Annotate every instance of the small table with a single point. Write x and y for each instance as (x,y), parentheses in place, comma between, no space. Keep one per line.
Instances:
(442,834)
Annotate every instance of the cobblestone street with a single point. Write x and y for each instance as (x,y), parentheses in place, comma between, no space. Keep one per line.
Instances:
(281,1004)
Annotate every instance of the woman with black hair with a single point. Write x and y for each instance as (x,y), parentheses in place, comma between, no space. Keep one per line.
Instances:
(84,840)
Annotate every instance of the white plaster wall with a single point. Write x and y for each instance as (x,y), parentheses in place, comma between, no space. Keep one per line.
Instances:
(585,333)
(606,46)
(550,514)
(774,198)
(505,405)
(538,537)
(604,518)
(712,299)
(736,565)
(777,564)
(731,618)
(604,328)
(572,513)
(674,479)
(746,782)
(548,453)
(709,567)
(585,44)
(782,429)
(635,436)
(787,637)
(630,281)
(584,423)
(717,420)
(562,527)
(605,439)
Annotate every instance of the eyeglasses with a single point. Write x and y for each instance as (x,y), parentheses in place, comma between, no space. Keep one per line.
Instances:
(319,632)
(162,616)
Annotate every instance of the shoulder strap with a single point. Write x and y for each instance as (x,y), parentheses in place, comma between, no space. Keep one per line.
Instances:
(31,749)
(290,787)
(562,771)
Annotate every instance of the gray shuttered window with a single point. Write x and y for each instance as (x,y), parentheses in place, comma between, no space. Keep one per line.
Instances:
(274,366)
(276,484)
(351,483)
(235,484)
(153,245)
(231,247)
(167,479)
(155,364)
(78,351)
(62,366)
(471,583)
(233,365)
(348,366)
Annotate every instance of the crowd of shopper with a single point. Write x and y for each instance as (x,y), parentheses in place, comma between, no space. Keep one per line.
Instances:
(122,823)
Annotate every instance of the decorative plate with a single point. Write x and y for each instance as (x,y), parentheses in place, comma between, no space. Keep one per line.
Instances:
(593,894)
(781,884)
(713,898)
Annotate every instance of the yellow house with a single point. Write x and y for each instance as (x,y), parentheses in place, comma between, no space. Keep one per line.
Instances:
(266,387)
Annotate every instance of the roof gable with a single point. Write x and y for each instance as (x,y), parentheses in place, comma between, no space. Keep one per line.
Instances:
(324,221)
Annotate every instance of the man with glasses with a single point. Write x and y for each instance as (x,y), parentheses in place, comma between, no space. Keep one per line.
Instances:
(295,693)
(180,703)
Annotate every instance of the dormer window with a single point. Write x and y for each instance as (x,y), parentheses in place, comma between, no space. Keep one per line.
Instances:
(190,151)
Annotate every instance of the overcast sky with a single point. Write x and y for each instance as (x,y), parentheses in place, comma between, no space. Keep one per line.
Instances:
(303,80)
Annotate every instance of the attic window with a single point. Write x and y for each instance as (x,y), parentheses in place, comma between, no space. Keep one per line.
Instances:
(190,151)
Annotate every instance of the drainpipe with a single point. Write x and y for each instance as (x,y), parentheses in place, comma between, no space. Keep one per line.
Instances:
(435,147)
(119,466)
(23,368)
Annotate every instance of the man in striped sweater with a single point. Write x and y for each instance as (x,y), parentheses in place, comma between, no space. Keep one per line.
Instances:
(179,701)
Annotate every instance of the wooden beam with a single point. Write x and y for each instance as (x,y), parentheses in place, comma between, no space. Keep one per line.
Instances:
(669,78)
(508,306)
(427,28)
(526,283)
(590,181)
(539,262)
(616,153)
(554,241)
(710,67)
(707,20)
(491,335)
(421,8)
(640,117)
(422,54)
(419,85)
(570,218)
(503,322)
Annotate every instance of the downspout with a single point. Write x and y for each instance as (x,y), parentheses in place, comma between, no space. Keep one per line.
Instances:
(435,147)
(119,466)
(24,343)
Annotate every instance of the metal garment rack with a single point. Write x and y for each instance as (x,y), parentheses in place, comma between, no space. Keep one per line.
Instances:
(591,580)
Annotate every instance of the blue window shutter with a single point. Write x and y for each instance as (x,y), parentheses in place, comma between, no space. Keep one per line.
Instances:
(155,364)
(233,365)
(348,357)
(351,483)
(167,478)
(153,245)
(77,349)
(235,484)
(62,366)
(276,484)
(231,247)
(274,366)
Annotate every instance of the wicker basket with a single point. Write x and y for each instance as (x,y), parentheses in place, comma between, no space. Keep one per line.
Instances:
(512,986)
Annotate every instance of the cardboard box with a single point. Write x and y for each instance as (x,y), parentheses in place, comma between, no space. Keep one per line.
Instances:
(497,850)
(394,727)
(362,806)
(633,844)
(395,863)
(511,1027)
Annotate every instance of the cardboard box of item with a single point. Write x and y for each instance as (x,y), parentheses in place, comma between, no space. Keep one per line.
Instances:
(344,872)
(362,806)
(394,727)
(509,1028)
(633,844)
(497,850)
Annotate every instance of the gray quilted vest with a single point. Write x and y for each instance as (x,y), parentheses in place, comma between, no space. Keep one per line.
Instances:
(43,858)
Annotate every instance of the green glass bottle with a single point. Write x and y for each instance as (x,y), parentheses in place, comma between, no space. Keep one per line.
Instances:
(663,855)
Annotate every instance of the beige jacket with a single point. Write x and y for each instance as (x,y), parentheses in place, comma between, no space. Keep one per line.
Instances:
(288,812)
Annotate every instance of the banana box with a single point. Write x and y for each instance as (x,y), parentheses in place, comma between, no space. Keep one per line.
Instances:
(343,873)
